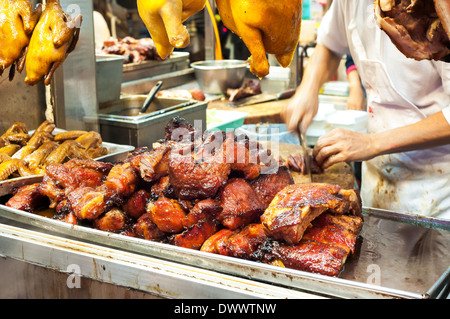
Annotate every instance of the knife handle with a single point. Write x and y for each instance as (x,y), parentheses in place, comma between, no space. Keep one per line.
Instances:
(286,94)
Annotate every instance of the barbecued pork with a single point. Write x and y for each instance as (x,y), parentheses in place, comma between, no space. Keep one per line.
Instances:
(27,198)
(293,208)
(241,205)
(420,29)
(323,249)
(268,185)
(219,202)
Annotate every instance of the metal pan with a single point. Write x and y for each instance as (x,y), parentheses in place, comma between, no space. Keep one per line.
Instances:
(398,256)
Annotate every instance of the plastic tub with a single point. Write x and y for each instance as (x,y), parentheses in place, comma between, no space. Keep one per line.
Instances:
(222,120)
(350,119)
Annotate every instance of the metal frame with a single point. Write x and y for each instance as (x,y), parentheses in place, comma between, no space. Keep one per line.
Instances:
(282,277)
(159,277)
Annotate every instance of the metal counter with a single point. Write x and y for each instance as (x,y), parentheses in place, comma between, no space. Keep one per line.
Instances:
(77,262)
(397,256)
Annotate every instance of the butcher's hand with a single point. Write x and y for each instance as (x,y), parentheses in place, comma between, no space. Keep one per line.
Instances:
(302,108)
(342,145)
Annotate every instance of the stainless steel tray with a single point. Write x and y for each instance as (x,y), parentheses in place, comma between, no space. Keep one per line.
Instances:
(397,256)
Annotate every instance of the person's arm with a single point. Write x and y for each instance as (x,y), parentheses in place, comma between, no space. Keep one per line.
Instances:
(303,106)
(356,99)
(342,145)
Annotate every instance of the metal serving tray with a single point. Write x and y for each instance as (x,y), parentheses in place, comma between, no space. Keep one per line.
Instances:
(397,256)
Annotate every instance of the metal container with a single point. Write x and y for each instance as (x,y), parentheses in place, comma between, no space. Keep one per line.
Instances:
(177,61)
(397,256)
(216,76)
(109,77)
(120,122)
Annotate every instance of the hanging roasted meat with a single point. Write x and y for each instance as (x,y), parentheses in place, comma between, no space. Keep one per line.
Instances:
(17,22)
(164,18)
(420,29)
(265,27)
(53,38)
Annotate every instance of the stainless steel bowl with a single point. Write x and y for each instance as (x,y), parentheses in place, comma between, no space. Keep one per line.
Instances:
(216,76)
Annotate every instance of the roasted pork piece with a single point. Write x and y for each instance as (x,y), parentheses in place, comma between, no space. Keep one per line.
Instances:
(249,88)
(420,29)
(133,50)
(27,198)
(323,249)
(241,204)
(293,208)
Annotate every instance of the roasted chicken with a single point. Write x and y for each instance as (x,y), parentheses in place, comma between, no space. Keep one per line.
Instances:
(265,27)
(17,22)
(29,154)
(419,28)
(164,18)
(53,38)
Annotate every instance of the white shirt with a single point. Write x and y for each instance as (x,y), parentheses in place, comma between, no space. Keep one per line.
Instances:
(400,91)
(425,83)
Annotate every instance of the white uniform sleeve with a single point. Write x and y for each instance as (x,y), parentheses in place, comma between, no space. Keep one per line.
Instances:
(444,70)
(446,113)
(332,31)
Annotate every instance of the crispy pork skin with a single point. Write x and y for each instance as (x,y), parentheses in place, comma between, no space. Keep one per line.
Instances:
(293,208)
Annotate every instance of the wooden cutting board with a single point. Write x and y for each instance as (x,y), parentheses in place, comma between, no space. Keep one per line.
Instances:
(340,174)
(268,112)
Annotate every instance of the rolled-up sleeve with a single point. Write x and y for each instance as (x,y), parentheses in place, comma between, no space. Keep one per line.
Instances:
(332,31)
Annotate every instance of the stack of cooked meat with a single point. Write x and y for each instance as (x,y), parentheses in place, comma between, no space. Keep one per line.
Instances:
(134,50)
(209,191)
(35,39)
(24,154)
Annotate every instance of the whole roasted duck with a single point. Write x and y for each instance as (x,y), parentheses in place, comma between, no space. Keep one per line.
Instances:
(25,154)
(266,27)
(17,22)
(164,18)
(54,37)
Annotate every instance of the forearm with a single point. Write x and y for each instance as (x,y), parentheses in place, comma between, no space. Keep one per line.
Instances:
(322,65)
(430,132)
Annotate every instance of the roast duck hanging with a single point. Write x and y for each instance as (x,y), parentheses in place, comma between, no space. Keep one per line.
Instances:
(39,40)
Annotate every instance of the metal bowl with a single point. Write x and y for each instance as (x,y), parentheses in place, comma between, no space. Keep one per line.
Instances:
(216,76)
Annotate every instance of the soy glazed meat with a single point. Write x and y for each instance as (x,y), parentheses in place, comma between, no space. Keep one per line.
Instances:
(207,191)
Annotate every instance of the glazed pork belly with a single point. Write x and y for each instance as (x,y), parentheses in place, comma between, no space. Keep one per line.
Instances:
(292,210)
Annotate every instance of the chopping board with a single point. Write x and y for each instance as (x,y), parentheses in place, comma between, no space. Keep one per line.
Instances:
(340,174)
(267,112)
